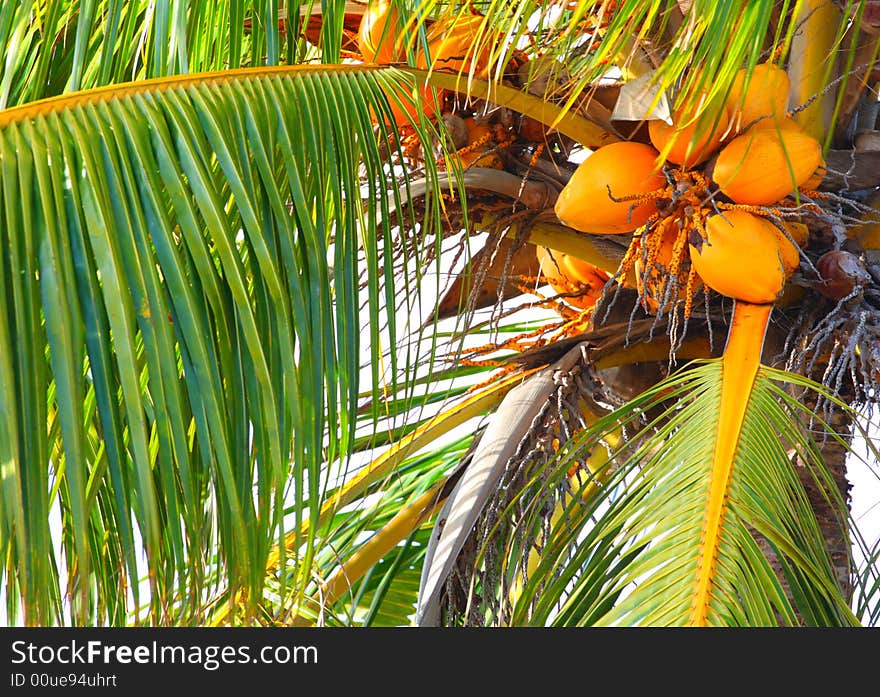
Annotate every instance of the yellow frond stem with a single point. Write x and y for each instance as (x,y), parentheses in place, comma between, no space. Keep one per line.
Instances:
(565,121)
(577,244)
(383,541)
(97,95)
(812,62)
(656,350)
(740,364)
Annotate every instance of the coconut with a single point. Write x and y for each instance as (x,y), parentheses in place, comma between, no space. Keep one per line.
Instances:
(452,46)
(799,232)
(652,282)
(744,257)
(761,103)
(763,166)
(378,35)
(568,274)
(403,113)
(689,140)
(617,170)
(841,273)
(818,177)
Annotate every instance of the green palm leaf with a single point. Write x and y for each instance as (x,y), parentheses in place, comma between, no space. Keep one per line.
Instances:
(53,46)
(637,550)
(167,305)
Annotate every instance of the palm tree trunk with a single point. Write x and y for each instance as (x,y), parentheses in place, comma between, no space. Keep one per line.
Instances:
(834,532)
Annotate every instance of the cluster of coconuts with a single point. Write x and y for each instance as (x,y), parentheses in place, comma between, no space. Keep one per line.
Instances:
(756,157)
(759,156)
(382,39)
(454,44)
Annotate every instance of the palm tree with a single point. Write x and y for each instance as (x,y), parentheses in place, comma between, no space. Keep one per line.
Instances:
(278,345)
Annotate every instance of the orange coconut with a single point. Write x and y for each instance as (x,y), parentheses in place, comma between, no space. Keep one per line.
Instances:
(764,101)
(568,274)
(452,46)
(403,113)
(762,166)
(815,181)
(788,253)
(690,139)
(378,35)
(626,169)
(744,257)
(582,272)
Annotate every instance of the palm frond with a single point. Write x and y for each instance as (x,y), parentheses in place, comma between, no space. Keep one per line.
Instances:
(640,562)
(368,535)
(166,306)
(71,45)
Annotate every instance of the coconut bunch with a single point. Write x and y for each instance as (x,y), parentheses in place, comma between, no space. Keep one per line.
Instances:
(704,199)
(383,38)
(471,132)
(454,44)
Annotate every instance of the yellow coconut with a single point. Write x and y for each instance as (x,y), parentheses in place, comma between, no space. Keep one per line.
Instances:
(763,102)
(583,272)
(452,46)
(691,140)
(788,253)
(816,180)
(763,166)
(620,170)
(568,274)
(744,257)
(799,232)
(378,35)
